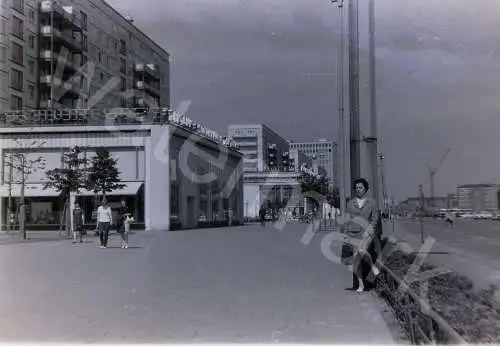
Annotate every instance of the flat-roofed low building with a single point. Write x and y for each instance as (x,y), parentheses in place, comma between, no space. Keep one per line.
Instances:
(172,169)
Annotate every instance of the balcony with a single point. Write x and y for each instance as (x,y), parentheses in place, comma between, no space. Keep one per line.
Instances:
(64,38)
(150,89)
(148,70)
(54,57)
(61,13)
(47,81)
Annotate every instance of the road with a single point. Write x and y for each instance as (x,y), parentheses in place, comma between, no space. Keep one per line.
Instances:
(471,248)
(473,235)
(239,284)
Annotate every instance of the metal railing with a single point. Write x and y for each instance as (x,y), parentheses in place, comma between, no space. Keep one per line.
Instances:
(108,118)
(421,324)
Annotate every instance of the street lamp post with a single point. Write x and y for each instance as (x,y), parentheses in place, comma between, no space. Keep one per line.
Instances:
(341,115)
(422,201)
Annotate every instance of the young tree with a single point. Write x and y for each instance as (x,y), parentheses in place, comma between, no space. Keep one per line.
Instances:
(70,178)
(103,175)
(21,166)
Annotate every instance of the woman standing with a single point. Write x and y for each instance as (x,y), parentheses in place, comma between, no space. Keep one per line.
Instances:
(104,220)
(361,229)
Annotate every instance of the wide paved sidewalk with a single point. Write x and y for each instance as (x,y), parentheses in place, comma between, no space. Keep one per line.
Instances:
(237,284)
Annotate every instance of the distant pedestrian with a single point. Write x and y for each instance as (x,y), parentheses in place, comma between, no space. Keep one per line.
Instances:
(78,224)
(104,220)
(123,223)
(262,216)
(230,216)
(450,219)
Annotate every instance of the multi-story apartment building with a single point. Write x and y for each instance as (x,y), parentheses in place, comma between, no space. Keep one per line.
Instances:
(324,153)
(77,54)
(262,148)
(478,197)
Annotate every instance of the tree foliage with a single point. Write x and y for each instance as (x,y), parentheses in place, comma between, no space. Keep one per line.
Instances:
(21,165)
(70,178)
(104,176)
(320,185)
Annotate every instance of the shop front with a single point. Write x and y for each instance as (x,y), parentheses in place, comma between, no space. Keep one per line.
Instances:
(132,193)
(43,207)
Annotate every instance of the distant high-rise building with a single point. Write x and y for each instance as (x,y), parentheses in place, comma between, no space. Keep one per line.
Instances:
(262,148)
(478,197)
(324,151)
(77,54)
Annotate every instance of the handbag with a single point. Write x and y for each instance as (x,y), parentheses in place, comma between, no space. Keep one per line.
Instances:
(347,253)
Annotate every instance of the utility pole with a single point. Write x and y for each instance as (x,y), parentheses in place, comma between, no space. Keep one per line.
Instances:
(422,201)
(355,137)
(342,128)
(383,183)
(11,176)
(373,107)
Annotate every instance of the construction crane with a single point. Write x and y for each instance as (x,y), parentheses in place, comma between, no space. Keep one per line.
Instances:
(432,174)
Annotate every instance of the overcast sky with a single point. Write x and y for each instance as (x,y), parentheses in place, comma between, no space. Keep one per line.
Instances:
(275,62)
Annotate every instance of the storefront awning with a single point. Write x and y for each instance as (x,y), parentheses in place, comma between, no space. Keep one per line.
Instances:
(30,190)
(130,189)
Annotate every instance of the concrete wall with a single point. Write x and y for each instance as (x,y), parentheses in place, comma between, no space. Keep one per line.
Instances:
(205,179)
(157,184)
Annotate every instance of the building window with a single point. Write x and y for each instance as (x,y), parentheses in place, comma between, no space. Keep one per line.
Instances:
(3,54)
(31,91)
(123,66)
(16,102)
(99,57)
(123,85)
(31,41)
(83,17)
(123,47)
(84,60)
(16,81)
(31,16)
(174,200)
(17,53)
(18,5)
(102,76)
(17,27)
(84,43)
(31,66)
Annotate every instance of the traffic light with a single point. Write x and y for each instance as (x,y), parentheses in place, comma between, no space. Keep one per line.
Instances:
(285,161)
(271,156)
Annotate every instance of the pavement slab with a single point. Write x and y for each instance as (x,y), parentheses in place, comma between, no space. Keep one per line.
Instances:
(238,284)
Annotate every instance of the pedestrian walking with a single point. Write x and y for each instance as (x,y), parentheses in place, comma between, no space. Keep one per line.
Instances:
(262,216)
(363,234)
(104,220)
(78,224)
(230,216)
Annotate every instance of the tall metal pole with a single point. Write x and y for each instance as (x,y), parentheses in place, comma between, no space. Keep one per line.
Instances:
(422,201)
(11,175)
(52,61)
(342,134)
(355,137)
(373,106)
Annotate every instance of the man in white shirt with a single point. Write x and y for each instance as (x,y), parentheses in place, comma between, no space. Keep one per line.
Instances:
(104,221)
